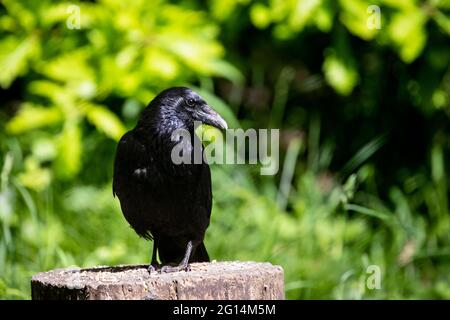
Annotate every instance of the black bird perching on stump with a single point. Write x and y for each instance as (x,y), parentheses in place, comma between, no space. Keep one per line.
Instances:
(167,202)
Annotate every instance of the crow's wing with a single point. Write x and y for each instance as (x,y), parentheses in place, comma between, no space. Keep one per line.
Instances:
(131,162)
(133,182)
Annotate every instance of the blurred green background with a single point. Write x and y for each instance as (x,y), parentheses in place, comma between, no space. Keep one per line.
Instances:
(363,112)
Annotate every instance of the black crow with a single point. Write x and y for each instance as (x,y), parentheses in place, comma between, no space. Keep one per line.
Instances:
(167,202)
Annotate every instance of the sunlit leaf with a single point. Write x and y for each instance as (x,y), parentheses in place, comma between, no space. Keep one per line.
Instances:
(407,31)
(443,21)
(355,17)
(46,88)
(105,121)
(401,4)
(63,68)
(14,56)
(226,70)
(55,13)
(35,177)
(31,116)
(324,16)
(340,72)
(302,13)
(223,9)
(195,52)
(260,15)
(22,11)
(161,64)
(68,160)
(44,149)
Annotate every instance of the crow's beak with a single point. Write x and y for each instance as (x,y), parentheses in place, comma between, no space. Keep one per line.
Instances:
(207,115)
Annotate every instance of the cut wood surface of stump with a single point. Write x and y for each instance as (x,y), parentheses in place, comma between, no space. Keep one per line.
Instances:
(216,280)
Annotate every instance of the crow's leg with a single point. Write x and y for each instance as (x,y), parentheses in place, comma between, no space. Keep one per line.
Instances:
(154,265)
(183,264)
(154,252)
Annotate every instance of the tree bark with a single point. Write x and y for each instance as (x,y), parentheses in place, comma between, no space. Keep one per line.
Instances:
(216,280)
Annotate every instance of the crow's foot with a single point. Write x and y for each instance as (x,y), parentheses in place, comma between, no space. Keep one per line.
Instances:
(171,269)
(153,268)
(184,264)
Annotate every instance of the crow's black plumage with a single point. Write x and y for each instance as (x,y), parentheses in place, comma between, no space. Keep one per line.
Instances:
(167,202)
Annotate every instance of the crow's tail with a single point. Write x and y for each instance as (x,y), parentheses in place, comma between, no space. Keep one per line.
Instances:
(200,254)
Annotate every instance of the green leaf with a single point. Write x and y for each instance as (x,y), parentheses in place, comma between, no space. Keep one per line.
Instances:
(323,18)
(63,68)
(160,64)
(197,53)
(60,95)
(260,15)
(354,15)
(339,67)
(68,161)
(33,116)
(442,4)
(369,212)
(407,31)
(14,56)
(24,12)
(302,12)
(363,154)
(226,70)
(105,121)
(55,13)
(35,177)
(401,4)
(222,10)
(442,21)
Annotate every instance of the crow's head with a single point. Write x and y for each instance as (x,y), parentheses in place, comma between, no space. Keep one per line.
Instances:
(181,107)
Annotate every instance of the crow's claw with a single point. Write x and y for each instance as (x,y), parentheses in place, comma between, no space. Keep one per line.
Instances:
(171,269)
(153,268)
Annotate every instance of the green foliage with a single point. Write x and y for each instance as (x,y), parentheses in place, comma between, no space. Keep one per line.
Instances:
(340,70)
(363,114)
(131,50)
(402,25)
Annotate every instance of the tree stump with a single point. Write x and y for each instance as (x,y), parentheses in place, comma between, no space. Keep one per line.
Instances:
(216,280)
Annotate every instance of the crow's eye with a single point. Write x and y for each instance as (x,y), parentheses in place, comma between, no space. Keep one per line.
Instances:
(190,102)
